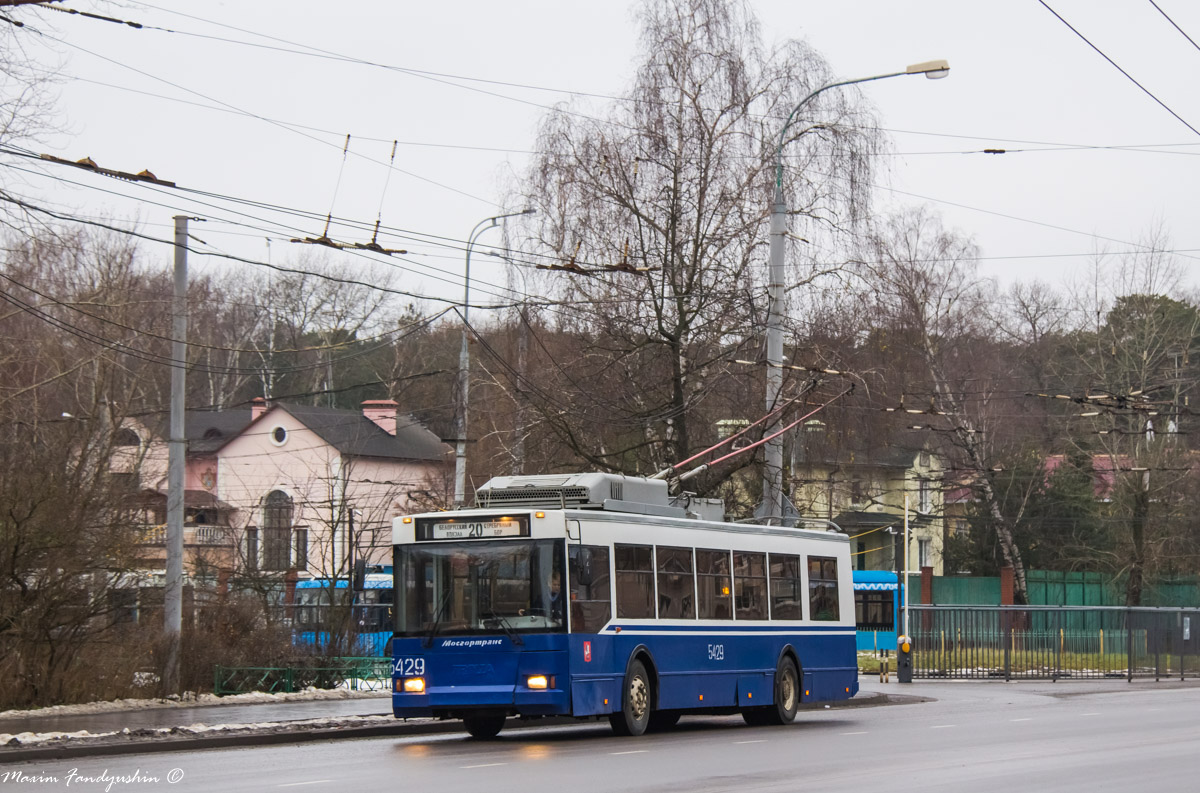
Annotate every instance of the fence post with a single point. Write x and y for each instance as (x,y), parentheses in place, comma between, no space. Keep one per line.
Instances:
(1158,647)
(1008,642)
(1129,640)
(1059,646)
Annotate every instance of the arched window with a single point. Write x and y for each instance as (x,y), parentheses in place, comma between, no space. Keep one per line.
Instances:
(126,437)
(277,530)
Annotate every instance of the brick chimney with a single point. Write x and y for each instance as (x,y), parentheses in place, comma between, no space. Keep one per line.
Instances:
(382,412)
(258,406)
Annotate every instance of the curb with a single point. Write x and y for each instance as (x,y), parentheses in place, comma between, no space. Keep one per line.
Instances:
(110,747)
(132,745)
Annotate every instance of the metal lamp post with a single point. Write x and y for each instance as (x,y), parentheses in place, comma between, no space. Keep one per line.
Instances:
(772,500)
(464,360)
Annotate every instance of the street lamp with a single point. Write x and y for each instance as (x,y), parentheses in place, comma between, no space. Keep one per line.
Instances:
(772,506)
(464,360)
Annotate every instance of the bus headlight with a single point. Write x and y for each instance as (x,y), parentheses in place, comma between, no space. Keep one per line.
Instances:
(537,681)
(414,685)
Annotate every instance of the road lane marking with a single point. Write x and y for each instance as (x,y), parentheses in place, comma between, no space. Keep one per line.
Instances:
(942,726)
(760,740)
(1091,714)
(298,784)
(864,732)
(482,765)
(635,751)
(1029,719)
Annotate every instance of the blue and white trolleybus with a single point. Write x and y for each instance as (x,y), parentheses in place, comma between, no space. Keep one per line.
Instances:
(593,595)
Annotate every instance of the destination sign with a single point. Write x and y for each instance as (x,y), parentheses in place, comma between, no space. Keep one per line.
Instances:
(475,528)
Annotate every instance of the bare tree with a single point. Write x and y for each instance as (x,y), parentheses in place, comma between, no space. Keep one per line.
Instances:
(657,212)
(923,282)
(1130,363)
(306,321)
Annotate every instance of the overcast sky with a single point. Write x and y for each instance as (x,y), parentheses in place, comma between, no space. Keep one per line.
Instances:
(268,125)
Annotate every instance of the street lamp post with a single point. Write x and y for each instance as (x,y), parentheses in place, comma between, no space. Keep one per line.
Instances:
(772,500)
(464,360)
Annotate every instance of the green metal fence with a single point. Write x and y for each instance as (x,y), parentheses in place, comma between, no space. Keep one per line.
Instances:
(1058,588)
(356,674)
(1049,642)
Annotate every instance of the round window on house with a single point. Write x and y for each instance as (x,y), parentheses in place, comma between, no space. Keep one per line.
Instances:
(279,436)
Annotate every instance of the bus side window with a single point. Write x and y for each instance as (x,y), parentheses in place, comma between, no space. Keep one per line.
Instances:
(873,610)
(635,581)
(714,585)
(822,588)
(787,588)
(676,586)
(591,592)
(750,585)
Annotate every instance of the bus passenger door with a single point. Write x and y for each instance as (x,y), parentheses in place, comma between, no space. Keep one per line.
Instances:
(595,682)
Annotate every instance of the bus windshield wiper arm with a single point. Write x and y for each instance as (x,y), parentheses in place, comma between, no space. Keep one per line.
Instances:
(437,621)
(512,635)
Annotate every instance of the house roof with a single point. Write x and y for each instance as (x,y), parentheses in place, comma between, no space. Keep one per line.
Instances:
(209,430)
(350,432)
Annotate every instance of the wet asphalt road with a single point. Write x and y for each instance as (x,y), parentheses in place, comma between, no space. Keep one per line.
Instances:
(977,737)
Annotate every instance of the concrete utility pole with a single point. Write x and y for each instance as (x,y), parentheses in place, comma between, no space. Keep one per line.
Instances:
(464,361)
(177,450)
(772,509)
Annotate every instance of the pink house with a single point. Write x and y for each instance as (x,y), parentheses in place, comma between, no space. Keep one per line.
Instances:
(283,490)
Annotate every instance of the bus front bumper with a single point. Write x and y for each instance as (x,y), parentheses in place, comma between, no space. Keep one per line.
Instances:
(452,700)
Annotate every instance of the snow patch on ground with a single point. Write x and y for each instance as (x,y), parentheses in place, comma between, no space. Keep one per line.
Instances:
(32,738)
(189,700)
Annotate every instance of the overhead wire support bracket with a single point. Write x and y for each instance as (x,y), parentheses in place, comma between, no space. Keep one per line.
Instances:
(342,246)
(572,267)
(88,164)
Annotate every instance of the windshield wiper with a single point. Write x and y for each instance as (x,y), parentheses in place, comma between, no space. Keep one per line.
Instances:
(437,621)
(512,635)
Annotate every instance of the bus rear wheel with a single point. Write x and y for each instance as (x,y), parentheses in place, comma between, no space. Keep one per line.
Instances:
(634,716)
(484,725)
(787,698)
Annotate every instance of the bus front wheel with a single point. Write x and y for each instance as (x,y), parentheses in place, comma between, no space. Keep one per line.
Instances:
(787,693)
(634,716)
(484,725)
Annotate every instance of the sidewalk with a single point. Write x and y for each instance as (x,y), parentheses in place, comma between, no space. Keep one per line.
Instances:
(174,715)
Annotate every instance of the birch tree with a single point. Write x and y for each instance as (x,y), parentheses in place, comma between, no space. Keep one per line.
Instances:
(922,280)
(655,209)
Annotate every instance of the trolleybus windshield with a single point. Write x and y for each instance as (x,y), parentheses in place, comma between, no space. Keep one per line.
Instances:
(480,587)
